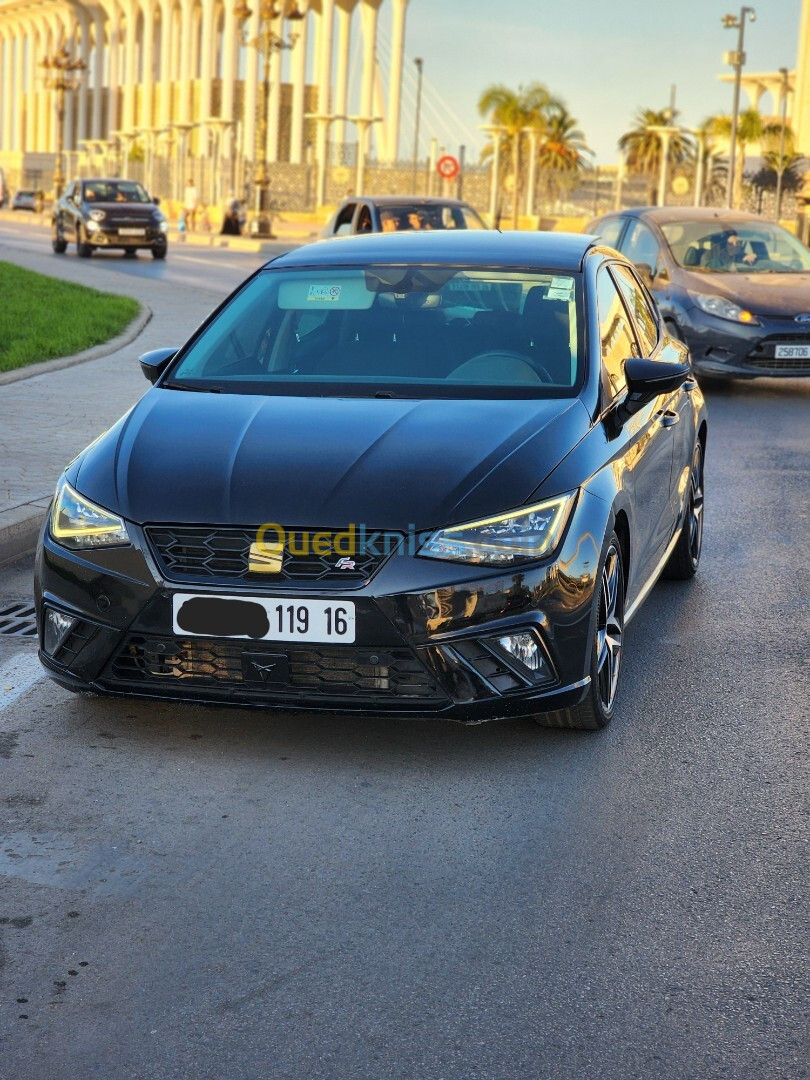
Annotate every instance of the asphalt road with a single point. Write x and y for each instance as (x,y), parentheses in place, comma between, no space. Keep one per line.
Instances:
(224,894)
(213,269)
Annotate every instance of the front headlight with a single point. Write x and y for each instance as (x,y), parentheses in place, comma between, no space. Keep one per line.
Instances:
(77,523)
(93,226)
(97,215)
(516,537)
(724,309)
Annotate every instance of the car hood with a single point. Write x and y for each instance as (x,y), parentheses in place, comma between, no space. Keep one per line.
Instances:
(325,462)
(116,211)
(764,294)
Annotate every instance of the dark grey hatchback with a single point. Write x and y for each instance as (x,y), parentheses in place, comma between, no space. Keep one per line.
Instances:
(734,287)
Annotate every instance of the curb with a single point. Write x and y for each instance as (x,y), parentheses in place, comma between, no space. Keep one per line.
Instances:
(19,529)
(94,353)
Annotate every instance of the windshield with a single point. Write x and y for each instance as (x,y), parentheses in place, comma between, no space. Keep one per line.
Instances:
(748,247)
(114,191)
(394,331)
(395,218)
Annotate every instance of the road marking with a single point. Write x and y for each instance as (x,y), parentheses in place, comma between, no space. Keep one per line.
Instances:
(17,676)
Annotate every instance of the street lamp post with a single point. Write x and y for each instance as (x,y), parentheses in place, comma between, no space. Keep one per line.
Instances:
(737,60)
(780,171)
(664,133)
(62,75)
(267,42)
(419,65)
(495,131)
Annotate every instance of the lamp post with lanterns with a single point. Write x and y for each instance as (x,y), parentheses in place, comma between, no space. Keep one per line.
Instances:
(736,60)
(267,41)
(63,74)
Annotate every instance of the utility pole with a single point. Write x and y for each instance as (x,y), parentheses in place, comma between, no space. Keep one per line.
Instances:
(419,65)
(737,60)
(780,171)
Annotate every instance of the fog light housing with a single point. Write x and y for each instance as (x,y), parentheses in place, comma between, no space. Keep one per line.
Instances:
(57,627)
(524,647)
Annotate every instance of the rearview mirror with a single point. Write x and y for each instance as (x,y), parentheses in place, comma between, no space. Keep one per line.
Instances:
(646,379)
(154,363)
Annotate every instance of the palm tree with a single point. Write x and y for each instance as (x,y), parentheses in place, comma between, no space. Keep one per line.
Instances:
(562,152)
(642,147)
(515,112)
(751,128)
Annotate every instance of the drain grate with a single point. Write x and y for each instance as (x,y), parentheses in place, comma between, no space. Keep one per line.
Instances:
(18,620)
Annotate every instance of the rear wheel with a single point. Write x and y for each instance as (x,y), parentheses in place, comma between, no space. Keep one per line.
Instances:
(58,242)
(597,709)
(685,558)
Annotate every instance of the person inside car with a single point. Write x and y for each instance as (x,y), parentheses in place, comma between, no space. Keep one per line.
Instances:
(728,253)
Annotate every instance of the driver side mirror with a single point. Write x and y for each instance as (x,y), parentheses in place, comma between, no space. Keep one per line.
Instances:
(645,272)
(646,379)
(154,363)
(156,200)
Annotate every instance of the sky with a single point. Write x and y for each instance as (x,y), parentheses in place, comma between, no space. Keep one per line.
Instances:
(604,58)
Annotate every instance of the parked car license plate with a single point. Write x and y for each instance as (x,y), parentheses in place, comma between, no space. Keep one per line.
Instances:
(132,232)
(793,352)
(263,618)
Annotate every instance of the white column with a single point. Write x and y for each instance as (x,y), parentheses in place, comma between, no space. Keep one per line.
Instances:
(368,13)
(97,119)
(84,53)
(395,78)
(44,95)
(130,30)
(345,9)
(228,145)
(323,44)
(207,59)
(5,53)
(166,72)
(251,87)
(148,63)
(380,131)
(19,111)
(113,69)
(274,100)
(186,45)
(298,74)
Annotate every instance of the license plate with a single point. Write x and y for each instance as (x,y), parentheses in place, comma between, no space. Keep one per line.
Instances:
(263,618)
(132,232)
(793,352)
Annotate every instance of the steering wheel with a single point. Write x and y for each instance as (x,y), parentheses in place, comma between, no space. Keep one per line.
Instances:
(521,365)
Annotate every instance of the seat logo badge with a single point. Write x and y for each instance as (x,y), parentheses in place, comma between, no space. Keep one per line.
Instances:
(345,564)
(263,670)
(265,557)
(803,318)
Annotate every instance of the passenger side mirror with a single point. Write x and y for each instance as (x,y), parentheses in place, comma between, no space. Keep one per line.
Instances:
(154,363)
(156,200)
(646,379)
(645,272)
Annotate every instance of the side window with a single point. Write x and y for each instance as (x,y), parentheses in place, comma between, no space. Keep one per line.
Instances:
(615,333)
(639,306)
(364,223)
(343,222)
(639,245)
(71,191)
(609,231)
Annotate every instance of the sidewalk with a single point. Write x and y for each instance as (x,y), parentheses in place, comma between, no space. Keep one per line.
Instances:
(46,419)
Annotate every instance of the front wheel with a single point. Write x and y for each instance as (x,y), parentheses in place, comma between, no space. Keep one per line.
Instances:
(159,251)
(83,249)
(130,253)
(684,561)
(597,709)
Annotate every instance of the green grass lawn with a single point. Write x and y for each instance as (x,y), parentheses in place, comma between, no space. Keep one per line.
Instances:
(42,317)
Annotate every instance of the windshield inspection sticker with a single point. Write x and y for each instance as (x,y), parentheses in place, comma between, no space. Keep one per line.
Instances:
(560,283)
(558,294)
(325,294)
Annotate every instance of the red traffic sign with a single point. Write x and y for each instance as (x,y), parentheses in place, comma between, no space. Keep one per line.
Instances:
(448,167)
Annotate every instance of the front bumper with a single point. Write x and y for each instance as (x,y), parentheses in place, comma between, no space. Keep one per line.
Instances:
(723,350)
(112,238)
(422,646)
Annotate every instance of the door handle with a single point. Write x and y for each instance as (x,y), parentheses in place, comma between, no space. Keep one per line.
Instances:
(670,419)
(690,385)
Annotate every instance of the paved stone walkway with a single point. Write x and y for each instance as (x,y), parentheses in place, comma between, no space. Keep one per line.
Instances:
(47,419)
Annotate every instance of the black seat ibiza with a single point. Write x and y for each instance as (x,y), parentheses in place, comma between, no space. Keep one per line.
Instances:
(409,474)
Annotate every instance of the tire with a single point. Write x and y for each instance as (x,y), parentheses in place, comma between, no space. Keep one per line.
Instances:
(130,253)
(58,244)
(83,250)
(684,561)
(674,332)
(159,251)
(597,709)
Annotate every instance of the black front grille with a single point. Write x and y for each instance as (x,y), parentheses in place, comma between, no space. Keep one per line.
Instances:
(763,355)
(315,672)
(202,554)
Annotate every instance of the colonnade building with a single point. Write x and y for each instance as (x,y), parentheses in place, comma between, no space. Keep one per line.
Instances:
(165,72)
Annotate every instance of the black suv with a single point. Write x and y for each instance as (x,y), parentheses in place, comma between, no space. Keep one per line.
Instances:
(108,214)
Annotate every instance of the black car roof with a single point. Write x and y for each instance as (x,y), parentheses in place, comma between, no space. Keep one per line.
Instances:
(560,251)
(664,215)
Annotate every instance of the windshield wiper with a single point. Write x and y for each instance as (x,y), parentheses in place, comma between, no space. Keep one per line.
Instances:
(192,389)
